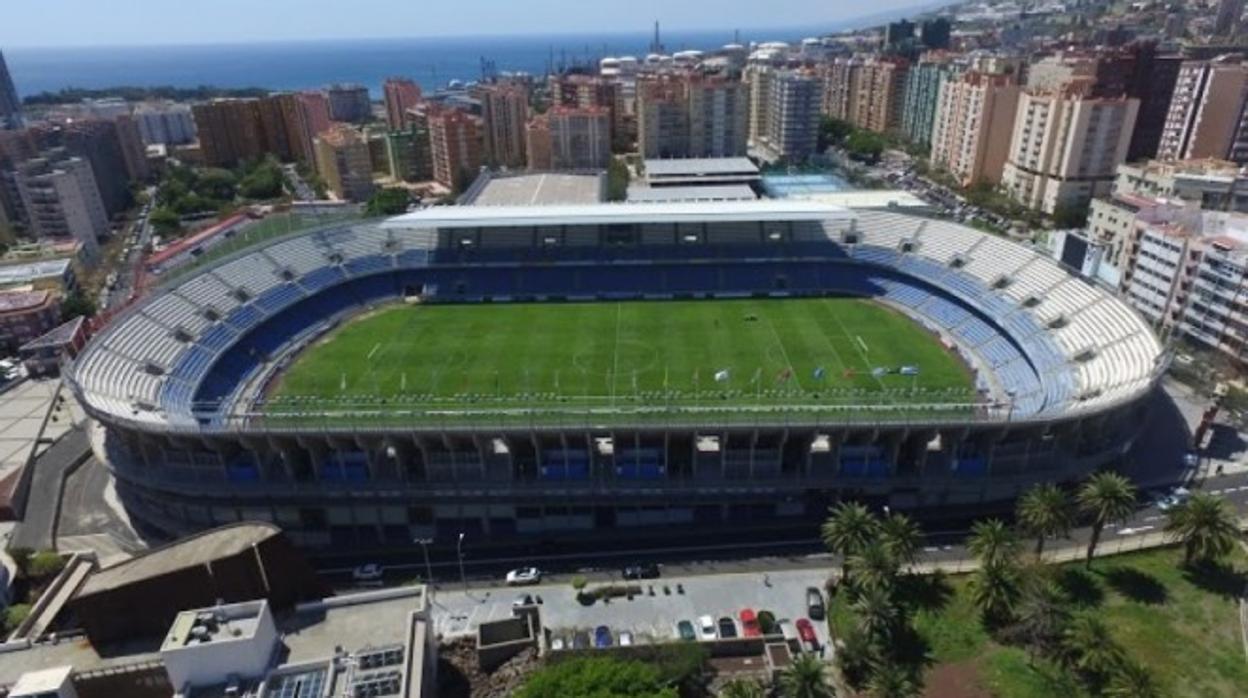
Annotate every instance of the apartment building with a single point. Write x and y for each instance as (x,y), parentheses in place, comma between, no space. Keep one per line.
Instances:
(61,200)
(922,95)
(401,94)
(792,117)
(504,113)
(455,145)
(349,103)
(973,124)
(1213,185)
(1066,145)
(567,138)
(575,90)
(876,104)
(344,162)
(165,124)
(1206,114)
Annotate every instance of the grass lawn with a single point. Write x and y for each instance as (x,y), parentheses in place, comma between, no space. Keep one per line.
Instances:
(611,355)
(1183,626)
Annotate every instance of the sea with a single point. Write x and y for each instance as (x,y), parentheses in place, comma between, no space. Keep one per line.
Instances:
(295,65)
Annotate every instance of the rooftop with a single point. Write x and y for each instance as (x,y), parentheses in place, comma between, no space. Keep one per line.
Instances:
(32,271)
(22,300)
(689,167)
(194,550)
(354,623)
(540,189)
(618,214)
(225,623)
(44,682)
(56,337)
(718,192)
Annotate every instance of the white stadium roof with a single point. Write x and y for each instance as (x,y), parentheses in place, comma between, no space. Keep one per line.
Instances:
(692,167)
(619,213)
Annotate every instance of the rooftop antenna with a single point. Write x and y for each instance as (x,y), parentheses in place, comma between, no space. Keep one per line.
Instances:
(656,46)
(736,36)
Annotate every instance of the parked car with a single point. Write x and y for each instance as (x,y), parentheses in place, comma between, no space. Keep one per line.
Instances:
(814,604)
(806,632)
(523,576)
(602,636)
(580,640)
(685,631)
(787,629)
(626,639)
(371,572)
(706,628)
(556,643)
(522,600)
(727,628)
(1173,499)
(643,571)
(749,623)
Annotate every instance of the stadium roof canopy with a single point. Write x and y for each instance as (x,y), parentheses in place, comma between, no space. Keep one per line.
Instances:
(619,214)
(201,549)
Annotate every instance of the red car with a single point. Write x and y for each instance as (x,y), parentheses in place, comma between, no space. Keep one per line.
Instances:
(806,631)
(749,623)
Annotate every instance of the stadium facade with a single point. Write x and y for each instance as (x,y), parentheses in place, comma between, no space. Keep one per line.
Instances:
(176,384)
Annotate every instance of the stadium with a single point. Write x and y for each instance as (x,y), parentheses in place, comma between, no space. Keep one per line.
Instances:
(568,369)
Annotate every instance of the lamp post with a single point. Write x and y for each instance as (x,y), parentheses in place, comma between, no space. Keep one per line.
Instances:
(459,552)
(424,546)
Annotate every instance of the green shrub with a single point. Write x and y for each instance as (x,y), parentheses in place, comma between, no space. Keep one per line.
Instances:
(14,615)
(45,564)
(579,582)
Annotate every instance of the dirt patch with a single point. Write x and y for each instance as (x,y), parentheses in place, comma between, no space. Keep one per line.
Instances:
(954,680)
(459,676)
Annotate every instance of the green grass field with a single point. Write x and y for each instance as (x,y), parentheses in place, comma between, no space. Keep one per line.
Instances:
(725,353)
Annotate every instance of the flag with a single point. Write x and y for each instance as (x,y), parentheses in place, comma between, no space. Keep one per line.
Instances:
(721,376)
(819,373)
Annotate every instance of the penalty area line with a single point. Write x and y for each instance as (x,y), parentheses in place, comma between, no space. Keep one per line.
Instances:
(378,346)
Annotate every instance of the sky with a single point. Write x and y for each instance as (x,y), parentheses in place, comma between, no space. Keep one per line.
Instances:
(135,22)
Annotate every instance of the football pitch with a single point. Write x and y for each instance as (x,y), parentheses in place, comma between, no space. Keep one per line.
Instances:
(616,355)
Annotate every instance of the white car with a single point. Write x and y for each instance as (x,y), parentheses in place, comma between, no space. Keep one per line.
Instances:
(524,575)
(706,628)
(372,572)
(626,639)
(1172,500)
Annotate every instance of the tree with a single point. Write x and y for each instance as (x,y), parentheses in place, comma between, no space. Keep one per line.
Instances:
(596,677)
(849,530)
(1089,648)
(617,180)
(1108,498)
(865,146)
(1042,617)
(1131,680)
(165,221)
(1044,511)
(806,677)
(874,568)
(901,537)
(891,680)
(14,615)
(1206,527)
(833,132)
(743,688)
(992,542)
(77,304)
(995,589)
(390,201)
(1067,216)
(43,564)
(265,181)
(877,616)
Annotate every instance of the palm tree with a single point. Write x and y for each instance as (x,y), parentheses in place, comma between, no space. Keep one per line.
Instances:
(1109,498)
(1131,680)
(1042,616)
(992,542)
(874,567)
(849,530)
(877,615)
(901,537)
(806,678)
(743,688)
(891,680)
(1044,511)
(1206,527)
(995,590)
(1089,647)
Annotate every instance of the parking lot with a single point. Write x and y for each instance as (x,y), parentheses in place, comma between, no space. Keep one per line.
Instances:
(648,617)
